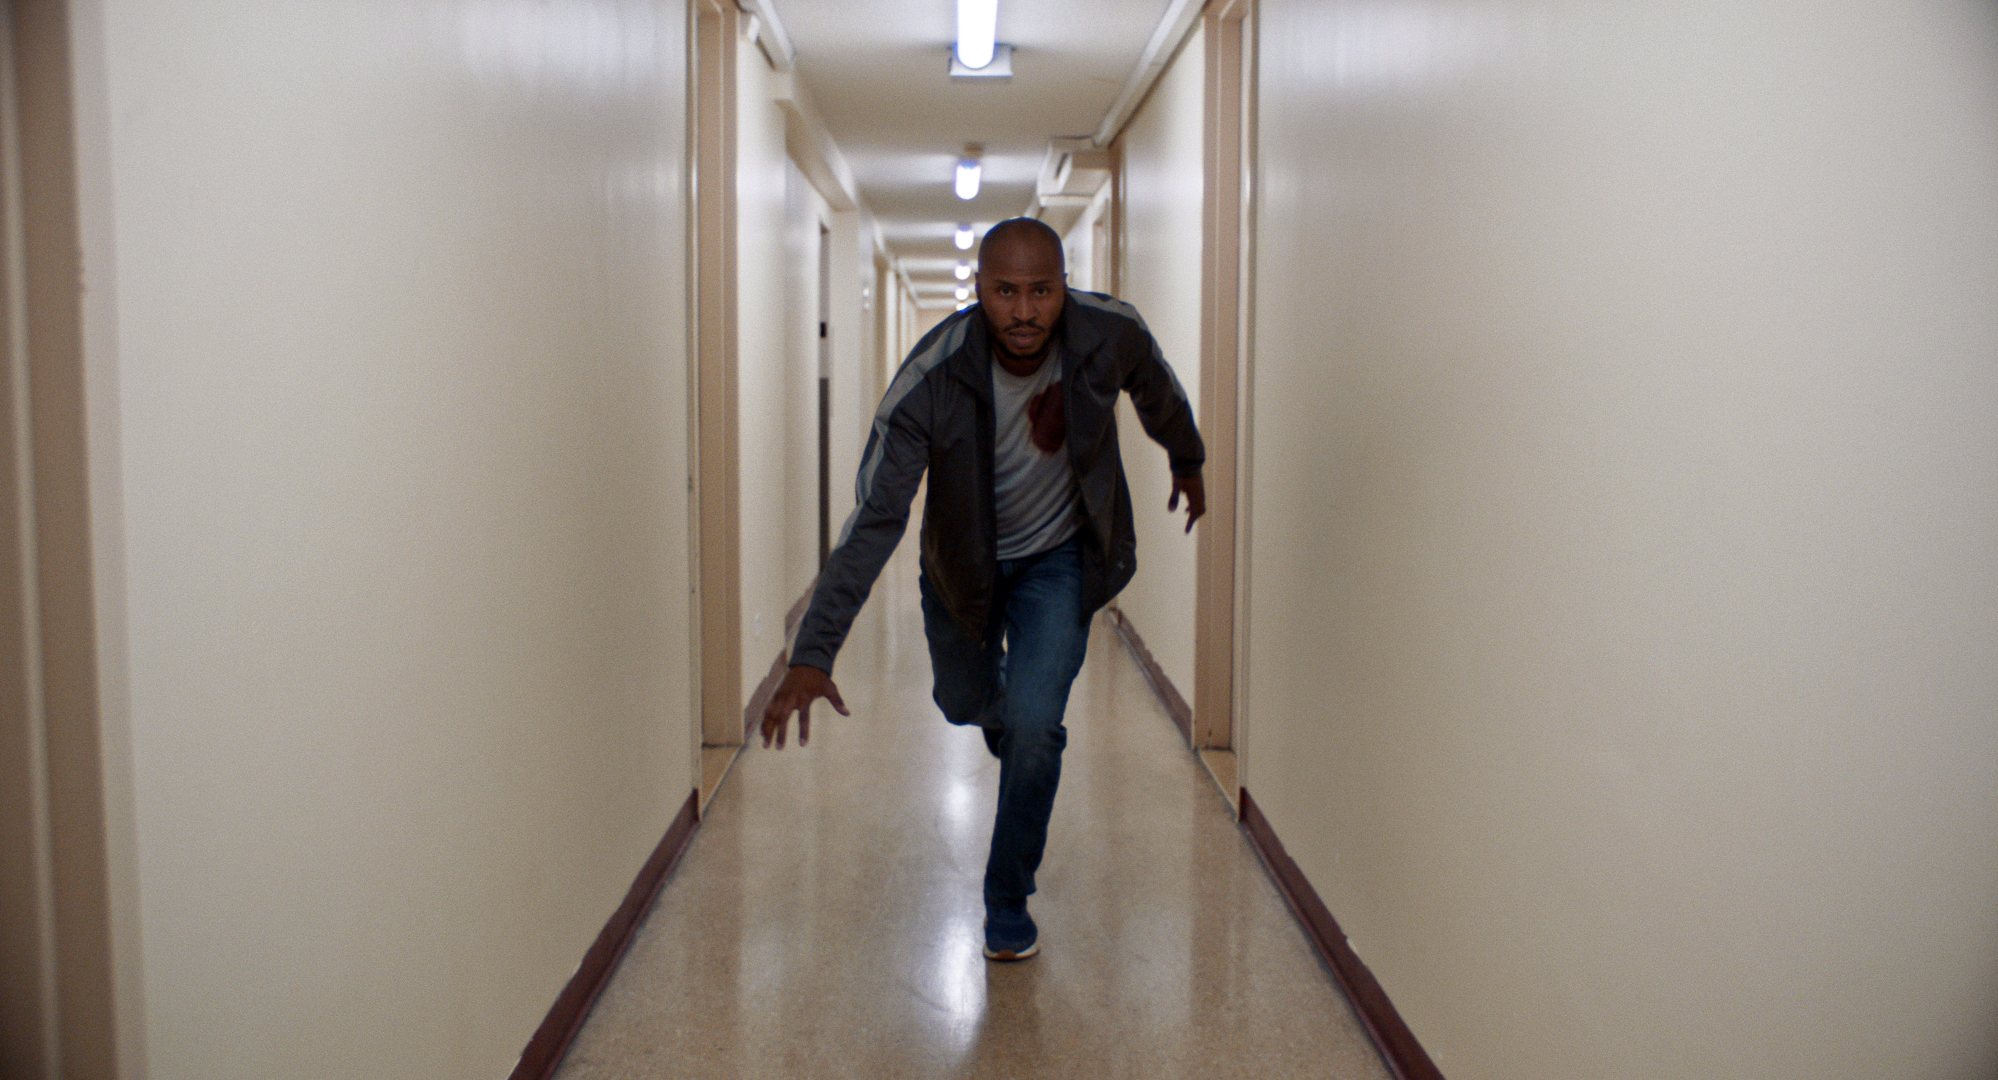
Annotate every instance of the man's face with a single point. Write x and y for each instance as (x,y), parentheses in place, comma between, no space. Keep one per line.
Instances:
(1021,287)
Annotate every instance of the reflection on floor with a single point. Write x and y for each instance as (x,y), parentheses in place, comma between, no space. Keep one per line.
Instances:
(825,921)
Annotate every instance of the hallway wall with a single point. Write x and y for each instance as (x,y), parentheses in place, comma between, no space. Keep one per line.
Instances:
(780,210)
(778,407)
(804,213)
(857,385)
(1622,645)
(400,406)
(1162,156)
(854,389)
(922,321)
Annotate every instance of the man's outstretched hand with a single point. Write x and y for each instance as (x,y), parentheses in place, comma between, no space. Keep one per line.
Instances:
(1196,498)
(802,685)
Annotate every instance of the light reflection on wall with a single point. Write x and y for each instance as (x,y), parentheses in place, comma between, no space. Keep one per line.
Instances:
(1405,44)
(596,46)
(563,67)
(641,183)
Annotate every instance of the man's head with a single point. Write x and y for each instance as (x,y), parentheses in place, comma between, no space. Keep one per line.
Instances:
(1022,283)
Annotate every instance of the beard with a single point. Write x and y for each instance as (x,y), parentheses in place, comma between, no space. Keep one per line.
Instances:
(1036,352)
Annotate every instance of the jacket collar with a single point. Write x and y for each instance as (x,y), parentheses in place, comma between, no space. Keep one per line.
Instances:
(1079,333)
(972,364)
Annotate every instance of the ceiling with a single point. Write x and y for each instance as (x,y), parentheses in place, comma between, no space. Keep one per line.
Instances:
(878,72)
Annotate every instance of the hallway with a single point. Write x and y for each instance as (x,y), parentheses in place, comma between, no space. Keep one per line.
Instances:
(825,921)
(420,418)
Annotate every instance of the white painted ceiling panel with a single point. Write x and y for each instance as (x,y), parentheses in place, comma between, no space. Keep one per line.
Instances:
(878,71)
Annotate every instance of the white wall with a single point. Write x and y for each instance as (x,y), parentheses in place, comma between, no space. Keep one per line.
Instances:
(1087,269)
(922,320)
(854,391)
(400,335)
(1161,276)
(776,396)
(884,319)
(910,320)
(1622,654)
(856,383)
(805,212)
(899,326)
(781,213)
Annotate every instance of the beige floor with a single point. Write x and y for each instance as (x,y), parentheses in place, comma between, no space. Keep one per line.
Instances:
(825,921)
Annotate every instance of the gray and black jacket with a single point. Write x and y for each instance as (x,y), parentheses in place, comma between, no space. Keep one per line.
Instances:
(937,415)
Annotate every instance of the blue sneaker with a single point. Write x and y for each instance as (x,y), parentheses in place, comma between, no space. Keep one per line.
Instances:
(1010,935)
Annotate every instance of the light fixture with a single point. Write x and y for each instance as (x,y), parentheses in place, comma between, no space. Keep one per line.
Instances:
(977,32)
(967,178)
(963,271)
(962,238)
(963,294)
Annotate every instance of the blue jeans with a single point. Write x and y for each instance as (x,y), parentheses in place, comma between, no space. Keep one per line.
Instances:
(1014,684)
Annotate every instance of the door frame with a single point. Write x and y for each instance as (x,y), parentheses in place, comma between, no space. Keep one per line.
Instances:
(1226,262)
(68,924)
(712,104)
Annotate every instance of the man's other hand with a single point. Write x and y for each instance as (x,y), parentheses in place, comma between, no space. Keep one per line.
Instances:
(802,685)
(1196,498)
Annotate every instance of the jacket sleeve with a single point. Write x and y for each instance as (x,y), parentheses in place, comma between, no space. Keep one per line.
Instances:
(898,450)
(1161,403)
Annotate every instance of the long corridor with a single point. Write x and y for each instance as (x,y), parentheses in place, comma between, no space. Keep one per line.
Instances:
(420,416)
(825,921)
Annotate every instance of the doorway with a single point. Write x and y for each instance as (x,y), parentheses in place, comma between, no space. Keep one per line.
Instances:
(712,123)
(1225,269)
(61,932)
(825,394)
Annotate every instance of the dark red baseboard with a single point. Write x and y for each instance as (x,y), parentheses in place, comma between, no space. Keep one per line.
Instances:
(1405,1057)
(1168,694)
(558,1029)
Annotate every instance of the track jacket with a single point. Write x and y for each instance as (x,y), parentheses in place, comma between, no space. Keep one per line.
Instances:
(937,415)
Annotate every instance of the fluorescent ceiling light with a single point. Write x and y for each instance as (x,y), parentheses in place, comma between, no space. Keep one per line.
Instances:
(963,271)
(967,178)
(1001,67)
(962,238)
(977,31)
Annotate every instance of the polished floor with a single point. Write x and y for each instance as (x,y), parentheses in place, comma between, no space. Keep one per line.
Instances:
(825,921)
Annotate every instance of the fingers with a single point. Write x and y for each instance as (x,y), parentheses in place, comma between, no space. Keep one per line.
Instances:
(802,685)
(777,718)
(1196,499)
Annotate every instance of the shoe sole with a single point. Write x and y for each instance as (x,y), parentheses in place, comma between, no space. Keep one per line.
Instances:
(1009,954)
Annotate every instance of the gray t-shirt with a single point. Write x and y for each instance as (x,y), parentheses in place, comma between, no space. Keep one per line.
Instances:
(1032,481)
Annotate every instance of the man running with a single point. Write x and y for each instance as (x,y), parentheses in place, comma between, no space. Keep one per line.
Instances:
(1027,529)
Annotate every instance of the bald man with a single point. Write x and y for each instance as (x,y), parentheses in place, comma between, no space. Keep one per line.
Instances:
(1027,529)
